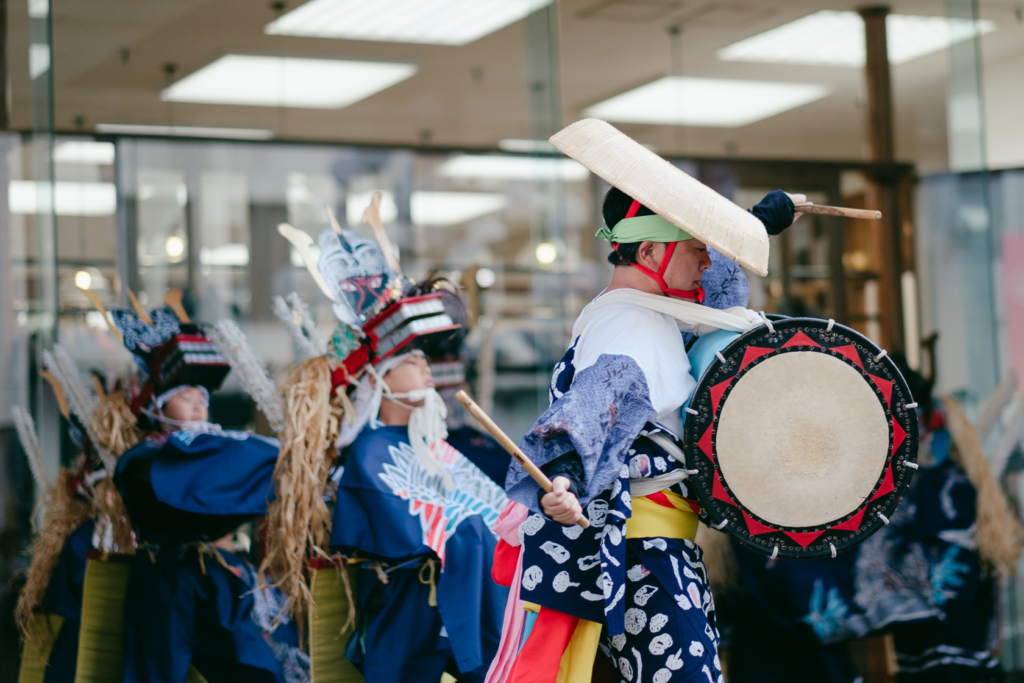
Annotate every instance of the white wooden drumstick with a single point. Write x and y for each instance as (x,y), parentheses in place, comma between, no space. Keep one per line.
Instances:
(535,472)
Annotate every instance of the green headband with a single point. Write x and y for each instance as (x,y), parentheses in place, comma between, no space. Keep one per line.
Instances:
(643,228)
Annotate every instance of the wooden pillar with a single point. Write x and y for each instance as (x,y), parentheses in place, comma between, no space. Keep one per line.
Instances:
(882,143)
(5,117)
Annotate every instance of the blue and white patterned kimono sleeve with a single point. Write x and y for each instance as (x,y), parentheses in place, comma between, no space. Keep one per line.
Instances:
(627,367)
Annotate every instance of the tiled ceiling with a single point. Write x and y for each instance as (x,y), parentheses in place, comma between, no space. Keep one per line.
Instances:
(111,61)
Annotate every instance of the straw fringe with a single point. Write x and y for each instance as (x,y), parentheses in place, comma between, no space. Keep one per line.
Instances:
(110,506)
(114,426)
(298,521)
(63,514)
(998,533)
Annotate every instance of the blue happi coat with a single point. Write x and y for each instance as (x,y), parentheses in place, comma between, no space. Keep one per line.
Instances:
(189,603)
(389,509)
(196,484)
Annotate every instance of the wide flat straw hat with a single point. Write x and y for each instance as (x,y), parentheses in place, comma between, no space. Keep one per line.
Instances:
(666,190)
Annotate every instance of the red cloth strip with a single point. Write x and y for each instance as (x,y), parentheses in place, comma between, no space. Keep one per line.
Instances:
(506,558)
(541,655)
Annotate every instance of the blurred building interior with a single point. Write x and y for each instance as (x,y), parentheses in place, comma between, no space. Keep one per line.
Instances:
(157,145)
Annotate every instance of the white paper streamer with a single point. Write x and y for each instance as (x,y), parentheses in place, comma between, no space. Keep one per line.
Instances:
(26,429)
(252,372)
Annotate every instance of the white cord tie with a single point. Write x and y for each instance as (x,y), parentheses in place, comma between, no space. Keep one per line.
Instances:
(720,357)
(909,406)
(723,524)
(691,411)
(771,328)
(911,465)
(775,552)
(881,355)
(833,548)
(883,518)
(831,323)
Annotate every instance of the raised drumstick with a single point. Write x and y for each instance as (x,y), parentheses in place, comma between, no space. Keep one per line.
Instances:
(510,446)
(866,214)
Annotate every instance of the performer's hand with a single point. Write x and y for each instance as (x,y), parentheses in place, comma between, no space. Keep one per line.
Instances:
(560,504)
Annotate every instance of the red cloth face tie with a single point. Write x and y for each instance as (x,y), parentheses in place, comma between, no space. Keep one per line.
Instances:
(659,277)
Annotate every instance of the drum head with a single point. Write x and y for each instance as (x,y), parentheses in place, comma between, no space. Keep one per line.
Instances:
(801,439)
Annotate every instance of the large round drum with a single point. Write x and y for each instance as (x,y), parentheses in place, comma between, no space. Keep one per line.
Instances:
(803,434)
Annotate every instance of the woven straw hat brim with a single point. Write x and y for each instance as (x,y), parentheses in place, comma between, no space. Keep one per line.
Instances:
(666,190)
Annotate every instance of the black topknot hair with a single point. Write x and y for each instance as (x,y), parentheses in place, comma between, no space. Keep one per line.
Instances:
(616,206)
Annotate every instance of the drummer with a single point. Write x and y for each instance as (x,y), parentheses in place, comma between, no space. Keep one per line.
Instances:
(632,584)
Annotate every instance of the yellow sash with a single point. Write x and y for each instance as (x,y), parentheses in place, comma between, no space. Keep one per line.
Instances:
(649,520)
(653,520)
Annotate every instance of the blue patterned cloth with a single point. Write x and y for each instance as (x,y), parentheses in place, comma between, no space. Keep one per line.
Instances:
(670,631)
(580,571)
(482,450)
(922,577)
(390,508)
(599,419)
(724,285)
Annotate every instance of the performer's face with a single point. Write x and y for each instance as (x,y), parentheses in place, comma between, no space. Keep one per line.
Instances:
(686,269)
(413,373)
(188,405)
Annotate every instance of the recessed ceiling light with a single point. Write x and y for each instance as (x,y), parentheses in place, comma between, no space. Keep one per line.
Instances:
(71,198)
(452,208)
(711,102)
(185,131)
(831,38)
(511,168)
(435,22)
(84,152)
(287,81)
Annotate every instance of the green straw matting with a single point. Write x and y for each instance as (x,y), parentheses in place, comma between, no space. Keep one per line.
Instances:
(35,654)
(101,640)
(326,617)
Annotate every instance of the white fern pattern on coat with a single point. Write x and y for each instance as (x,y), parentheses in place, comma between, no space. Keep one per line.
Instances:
(441,511)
